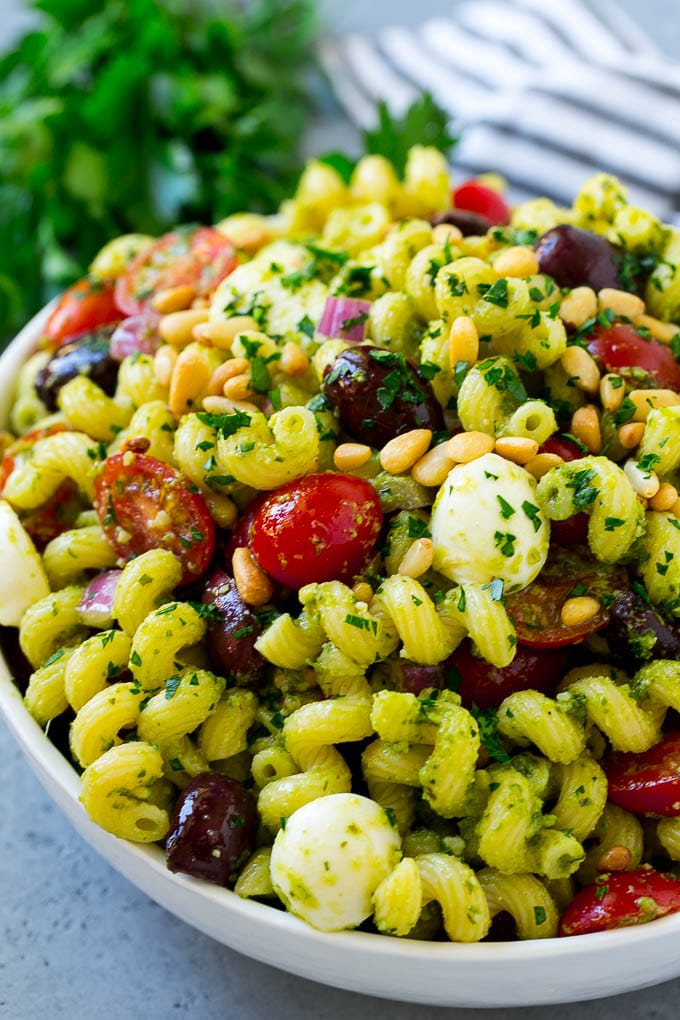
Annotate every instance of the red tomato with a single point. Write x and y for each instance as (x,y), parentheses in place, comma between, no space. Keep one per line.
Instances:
(240,536)
(486,686)
(573,531)
(85,306)
(620,900)
(647,783)
(317,528)
(620,347)
(145,504)
(200,258)
(479,198)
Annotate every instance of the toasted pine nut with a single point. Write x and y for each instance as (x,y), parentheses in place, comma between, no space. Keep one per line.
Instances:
(254,586)
(348,456)
(417,559)
(238,387)
(579,609)
(463,341)
(620,302)
(190,377)
(293,361)
(518,449)
(177,327)
(227,370)
(578,306)
(224,405)
(630,435)
(432,469)
(585,425)
(542,463)
(173,299)
(580,366)
(612,391)
(444,232)
(164,361)
(467,446)
(645,483)
(137,444)
(646,400)
(517,261)
(402,452)
(362,591)
(617,858)
(221,333)
(663,331)
(665,499)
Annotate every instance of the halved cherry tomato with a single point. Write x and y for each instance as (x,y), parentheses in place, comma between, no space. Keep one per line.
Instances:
(240,536)
(486,686)
(647,783)
(200,258)
(620,900)
(536,609)
(574,530)
(317,528)
(85,306)
(145,504)
(481,199)
(620,348)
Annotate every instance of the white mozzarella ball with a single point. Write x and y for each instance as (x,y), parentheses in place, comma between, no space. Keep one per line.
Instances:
(22,578)
(332,855)
(486,523)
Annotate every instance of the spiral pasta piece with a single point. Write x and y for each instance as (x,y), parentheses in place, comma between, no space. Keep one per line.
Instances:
(267,453)
(154,422)
(292,643)
(224,733)
(144,585)
(159,639)
(71,553)
(97,724)
(525,898)
(660,568)
(51,622)
(45,696)
(89,409)
(93,664)
(181,707)
(117,790)
(53,459)
(615,828)
(583,795)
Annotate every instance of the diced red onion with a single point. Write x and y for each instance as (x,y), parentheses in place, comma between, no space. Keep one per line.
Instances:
(138,334)
(96,605)
(345,319)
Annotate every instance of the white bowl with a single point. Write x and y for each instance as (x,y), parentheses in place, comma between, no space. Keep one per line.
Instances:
(493,974)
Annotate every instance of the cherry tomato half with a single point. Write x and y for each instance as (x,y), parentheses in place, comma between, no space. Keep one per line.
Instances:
(574,530)
(84,307)
(200,258)
(317,528)
(647,783)
(479,198)
(621,899)
(620,347)
(486,686)
(145,504)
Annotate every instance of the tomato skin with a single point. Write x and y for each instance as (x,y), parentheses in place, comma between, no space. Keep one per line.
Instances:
(82,308)
(647,783)
(621,347)
(620,900)
(201,259)
(486,686)
(473,196)
(574,530)
(317,528)
(132,491)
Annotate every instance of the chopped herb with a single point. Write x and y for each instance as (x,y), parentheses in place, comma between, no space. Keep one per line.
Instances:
(54,658)
(135,659)
(176,765)
(578,590)
(498,293)
(612,523)
(306,326)
(461,600)
(625,412)
(225,424)
(601,891)
(416,528)
(505,542)
(243,631)
(171,686)
(206,612)
(648,461)
(487,721)
(507,511)
(356,320)
(460,370)
(391,816)
(539,915)
(533,513)
(496,587)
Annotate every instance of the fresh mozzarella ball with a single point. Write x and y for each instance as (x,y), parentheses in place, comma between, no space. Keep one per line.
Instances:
(332,855)
(486,523)
(22,578)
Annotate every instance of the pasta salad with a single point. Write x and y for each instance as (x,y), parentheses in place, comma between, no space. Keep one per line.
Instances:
(343,551)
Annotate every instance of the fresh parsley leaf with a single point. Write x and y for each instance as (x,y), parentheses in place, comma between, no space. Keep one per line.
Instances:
(424,123)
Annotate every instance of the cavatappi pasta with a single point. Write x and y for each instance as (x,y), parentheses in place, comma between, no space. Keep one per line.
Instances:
(416,723)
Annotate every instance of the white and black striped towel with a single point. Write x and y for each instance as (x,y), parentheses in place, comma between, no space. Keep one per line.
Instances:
(547,91)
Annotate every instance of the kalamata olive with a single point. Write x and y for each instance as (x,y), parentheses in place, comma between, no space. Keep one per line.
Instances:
(231,638)
(89,355)
(637,633)
(415,677)
(575,258)
(378,395)
(469,223)
(213,829)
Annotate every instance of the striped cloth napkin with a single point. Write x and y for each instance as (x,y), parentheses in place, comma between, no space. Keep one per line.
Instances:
(546,92)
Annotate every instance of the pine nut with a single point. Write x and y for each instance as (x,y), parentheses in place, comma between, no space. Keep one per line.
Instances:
(518,449)
(173,299)
(432,469)
(463,341)
(579,306)
(647,400)
(348,456)
(227,370)
(402,452)
(645,483)
(617,858)
(293,361)
(468,446)
(581,368)
(445,233)
(417,559)
(164,361)
(224,405)
(177,327)
(612,391)
(578,610)
(253,585)
(663,331)
(665,499)
(585,425)
(620,302)
(238,387)
(542,463)
(362,591)
(221,333)
(630,435)
(190,377)
(518,261)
